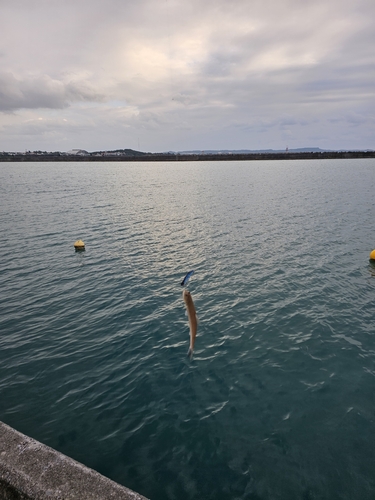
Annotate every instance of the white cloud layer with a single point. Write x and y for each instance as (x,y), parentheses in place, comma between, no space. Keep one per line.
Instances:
(171,74)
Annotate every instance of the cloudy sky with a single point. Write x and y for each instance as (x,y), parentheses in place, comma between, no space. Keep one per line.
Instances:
(159,75)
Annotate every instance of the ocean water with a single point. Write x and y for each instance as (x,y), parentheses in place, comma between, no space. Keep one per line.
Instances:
(278,399)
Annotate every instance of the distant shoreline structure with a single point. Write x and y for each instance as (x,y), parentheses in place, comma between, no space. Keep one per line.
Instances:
(136,156)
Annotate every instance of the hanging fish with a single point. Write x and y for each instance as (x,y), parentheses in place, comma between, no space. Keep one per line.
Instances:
(193,319)
(187,277)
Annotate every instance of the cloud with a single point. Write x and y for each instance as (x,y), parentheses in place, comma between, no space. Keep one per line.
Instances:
(41,92)
(177,72)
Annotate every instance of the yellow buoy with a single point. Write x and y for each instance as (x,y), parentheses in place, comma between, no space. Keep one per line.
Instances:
(79,245)
(372,255)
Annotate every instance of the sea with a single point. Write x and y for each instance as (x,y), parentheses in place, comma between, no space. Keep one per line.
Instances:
(277,402)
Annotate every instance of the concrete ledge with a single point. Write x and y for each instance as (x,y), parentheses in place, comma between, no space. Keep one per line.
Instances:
(29,470)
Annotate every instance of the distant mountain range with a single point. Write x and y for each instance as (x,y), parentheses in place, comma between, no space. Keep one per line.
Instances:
(248,151)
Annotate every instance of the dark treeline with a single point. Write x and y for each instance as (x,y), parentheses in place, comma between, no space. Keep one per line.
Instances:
(57,157)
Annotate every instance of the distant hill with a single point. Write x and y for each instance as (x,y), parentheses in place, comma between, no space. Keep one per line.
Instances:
(78,152)
(119,152)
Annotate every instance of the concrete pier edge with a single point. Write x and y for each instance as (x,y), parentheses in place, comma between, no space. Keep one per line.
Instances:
(30,470)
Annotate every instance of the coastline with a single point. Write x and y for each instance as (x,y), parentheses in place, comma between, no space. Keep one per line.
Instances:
(6,157)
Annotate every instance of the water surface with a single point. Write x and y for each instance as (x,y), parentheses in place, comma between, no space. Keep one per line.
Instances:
(278,400)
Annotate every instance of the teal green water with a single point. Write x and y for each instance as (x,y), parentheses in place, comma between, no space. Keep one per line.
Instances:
(278,400)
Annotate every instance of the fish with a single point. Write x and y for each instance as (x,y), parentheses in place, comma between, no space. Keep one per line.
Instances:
(187,277)
(193,319)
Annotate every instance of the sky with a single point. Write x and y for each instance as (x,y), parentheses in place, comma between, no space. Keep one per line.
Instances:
(175,75)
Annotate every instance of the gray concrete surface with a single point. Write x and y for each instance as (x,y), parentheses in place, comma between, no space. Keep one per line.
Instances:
(29,470)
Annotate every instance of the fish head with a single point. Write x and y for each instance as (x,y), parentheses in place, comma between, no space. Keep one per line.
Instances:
(186,295)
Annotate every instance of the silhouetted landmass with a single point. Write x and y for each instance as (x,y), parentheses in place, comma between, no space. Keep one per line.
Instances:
(253,151)
(131,155)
